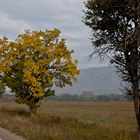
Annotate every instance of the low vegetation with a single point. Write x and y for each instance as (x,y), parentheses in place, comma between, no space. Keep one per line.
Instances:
(70,97)
(71,120)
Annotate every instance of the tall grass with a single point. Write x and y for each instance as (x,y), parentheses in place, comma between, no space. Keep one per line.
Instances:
(57,124)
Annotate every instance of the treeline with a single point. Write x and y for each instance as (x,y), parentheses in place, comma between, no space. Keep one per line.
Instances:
(69,97)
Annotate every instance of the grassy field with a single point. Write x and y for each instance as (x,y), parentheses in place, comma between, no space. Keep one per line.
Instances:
(71,120)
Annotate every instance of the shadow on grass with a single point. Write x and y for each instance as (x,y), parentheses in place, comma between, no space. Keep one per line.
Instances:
(15,111)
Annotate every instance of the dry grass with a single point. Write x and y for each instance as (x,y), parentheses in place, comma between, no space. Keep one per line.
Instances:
(71,121)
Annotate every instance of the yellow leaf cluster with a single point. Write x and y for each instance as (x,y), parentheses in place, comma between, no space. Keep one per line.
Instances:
(45,58)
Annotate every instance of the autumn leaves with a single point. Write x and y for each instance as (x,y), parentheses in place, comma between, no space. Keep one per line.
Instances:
(35,62)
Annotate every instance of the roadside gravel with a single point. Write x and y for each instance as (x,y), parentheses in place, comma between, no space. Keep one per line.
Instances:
(7,135)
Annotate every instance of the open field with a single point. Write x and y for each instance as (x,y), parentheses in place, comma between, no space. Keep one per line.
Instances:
(71,120)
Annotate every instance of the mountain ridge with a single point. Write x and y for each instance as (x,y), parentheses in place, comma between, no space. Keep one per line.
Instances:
(100,80)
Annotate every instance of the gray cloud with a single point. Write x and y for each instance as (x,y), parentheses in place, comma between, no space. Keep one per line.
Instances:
(18,15)
(10,26)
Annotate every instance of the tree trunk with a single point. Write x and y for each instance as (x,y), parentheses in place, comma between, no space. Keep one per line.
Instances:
(138,132)
(33,110)
(137,108)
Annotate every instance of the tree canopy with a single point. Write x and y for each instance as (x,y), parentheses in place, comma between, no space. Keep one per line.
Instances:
(34,62)
(115,26)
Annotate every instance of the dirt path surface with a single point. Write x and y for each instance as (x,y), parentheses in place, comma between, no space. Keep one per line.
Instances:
(7,135)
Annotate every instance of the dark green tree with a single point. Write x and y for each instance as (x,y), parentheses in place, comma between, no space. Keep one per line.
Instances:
(115,26)
(2,88)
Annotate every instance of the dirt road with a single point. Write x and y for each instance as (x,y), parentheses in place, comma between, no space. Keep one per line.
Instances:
(7,135)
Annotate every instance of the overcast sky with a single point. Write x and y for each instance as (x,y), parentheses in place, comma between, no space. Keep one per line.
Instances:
(66,15)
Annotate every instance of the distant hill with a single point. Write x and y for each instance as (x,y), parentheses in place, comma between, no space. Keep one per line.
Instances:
(102,80)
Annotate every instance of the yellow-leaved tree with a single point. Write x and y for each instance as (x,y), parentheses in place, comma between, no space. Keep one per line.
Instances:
(33,63)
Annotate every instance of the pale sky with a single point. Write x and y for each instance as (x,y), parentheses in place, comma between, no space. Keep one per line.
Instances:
(66,15)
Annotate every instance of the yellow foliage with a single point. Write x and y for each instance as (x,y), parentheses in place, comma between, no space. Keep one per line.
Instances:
(45,60)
